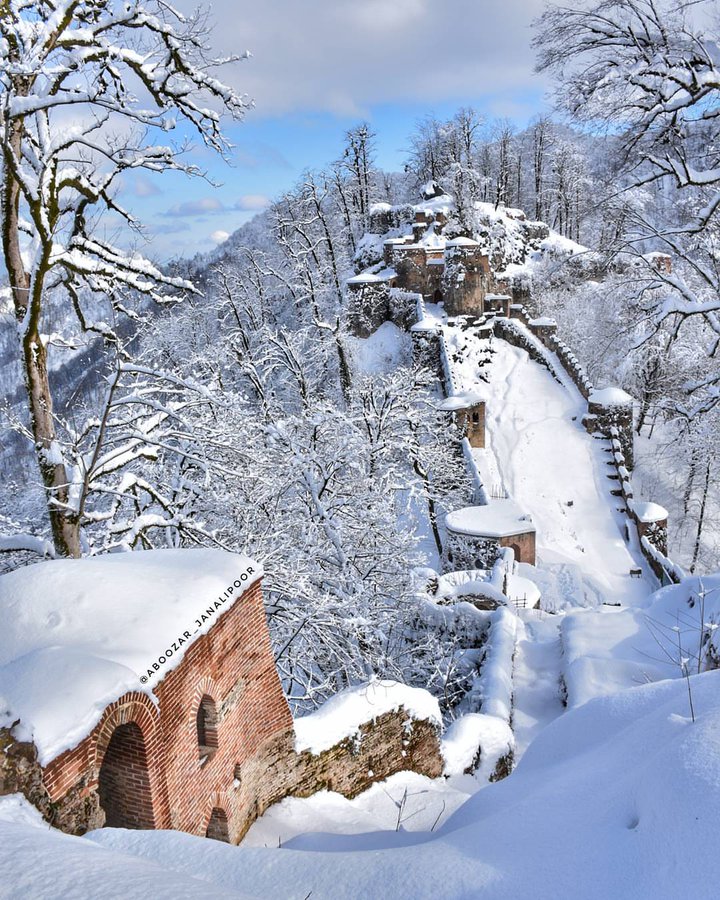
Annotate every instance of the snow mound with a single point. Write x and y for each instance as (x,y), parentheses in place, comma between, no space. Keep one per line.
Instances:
(500,518)
(616,799)
(75,635)
(476,734)
(610,396)
(385,350)
(343,715)
(461,400)
(648,512)
(609,649)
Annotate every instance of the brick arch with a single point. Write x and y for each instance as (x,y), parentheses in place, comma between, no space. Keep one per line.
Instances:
(124,780)
(205,687)
(218,802)
(136,709)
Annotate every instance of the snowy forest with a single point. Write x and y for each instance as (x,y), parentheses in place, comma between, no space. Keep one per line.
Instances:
(226,401)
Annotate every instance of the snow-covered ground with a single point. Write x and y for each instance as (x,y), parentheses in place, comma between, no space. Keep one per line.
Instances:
(554,470)
(536,677)
(615,799)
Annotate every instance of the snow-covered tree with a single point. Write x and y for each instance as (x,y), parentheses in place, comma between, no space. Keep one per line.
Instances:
(90,91)
(647,73)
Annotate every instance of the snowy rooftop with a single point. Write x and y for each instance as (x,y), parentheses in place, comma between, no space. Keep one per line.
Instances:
(463,400)
(364,278)
(648,512)
(610,396)
(462,242)
(75,635)
(500,518)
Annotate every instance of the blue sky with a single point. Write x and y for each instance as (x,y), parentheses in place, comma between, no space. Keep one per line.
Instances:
(319,67)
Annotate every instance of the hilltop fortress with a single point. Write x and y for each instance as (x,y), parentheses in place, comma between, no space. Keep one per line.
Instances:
(421,271)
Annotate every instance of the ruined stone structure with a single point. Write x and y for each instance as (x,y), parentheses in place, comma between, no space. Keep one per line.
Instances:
(476,534)
(210,747)
(468,412)
(466,277)
(610,411)
(651,521)
(369,304)
(453,271)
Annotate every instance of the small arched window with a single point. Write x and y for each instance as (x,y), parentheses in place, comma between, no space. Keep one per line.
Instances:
(207,726)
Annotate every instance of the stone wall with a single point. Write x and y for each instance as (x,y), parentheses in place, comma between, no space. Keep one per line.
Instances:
(465,281)
(368,307)
(464,551)
(472,423)
(392,743)
(614,420)
(21,773)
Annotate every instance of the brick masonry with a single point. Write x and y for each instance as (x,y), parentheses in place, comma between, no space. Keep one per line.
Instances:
(214,752)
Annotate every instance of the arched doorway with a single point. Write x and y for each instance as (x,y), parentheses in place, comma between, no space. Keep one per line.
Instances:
(217,828)
(517,551)
(124,788)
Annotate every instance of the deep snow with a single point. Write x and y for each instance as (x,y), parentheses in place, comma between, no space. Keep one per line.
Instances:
(616,799)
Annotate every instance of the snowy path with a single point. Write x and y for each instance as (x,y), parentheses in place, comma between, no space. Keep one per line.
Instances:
(536,677)
(546,460)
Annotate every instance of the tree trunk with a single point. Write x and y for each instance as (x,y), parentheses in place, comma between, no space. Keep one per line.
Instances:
(701,518)
(27,302)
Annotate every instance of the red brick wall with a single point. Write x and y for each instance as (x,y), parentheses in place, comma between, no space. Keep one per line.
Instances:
(523,545)
(233,664)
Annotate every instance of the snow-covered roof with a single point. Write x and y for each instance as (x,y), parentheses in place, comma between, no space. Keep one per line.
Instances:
(610,396)
(380,207)
(75,635)
(543,321)
(462,242)
(648,512)
(342,715)
(463,400)
(365,278)
(500,518)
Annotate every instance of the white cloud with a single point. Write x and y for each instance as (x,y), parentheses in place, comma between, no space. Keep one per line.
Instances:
(201,207)
(252,202)
(219,236)
(344,56)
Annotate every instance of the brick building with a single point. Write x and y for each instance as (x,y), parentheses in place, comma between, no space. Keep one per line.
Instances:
(468,412)
(140,691)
